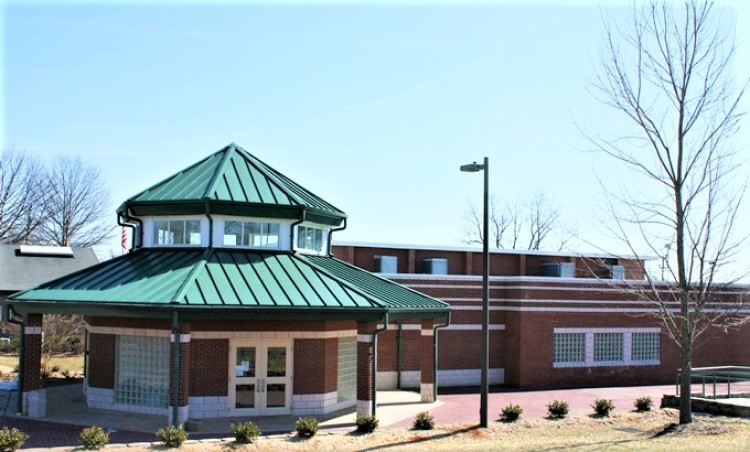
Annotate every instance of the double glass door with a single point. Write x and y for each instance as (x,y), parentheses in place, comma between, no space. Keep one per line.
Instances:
(260,378)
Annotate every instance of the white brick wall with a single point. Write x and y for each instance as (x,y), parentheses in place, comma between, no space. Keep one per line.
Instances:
(105,399)
(469,377)
(209,407)
(410,379)
(317,404)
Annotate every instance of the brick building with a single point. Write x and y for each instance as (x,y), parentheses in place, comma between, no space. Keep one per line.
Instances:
(556,320)
(229,304)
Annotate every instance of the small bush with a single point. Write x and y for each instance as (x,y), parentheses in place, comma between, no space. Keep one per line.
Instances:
(603,407)
(557,409)
(172,436)
(367,424)
(643,403)
(511,413)
(55,369)
(12,439)
(424,421)
(68,374)
(307,427)
(245,432)
(94,438)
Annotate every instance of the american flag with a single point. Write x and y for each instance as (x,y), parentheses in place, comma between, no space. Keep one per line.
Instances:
(124,241)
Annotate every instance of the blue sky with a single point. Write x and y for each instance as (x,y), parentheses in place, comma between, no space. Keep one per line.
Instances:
(373,107)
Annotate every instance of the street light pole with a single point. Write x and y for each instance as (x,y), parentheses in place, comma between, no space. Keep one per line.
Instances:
(485,359)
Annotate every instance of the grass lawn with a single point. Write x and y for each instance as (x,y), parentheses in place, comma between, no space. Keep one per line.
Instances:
(622,431)
(72,363)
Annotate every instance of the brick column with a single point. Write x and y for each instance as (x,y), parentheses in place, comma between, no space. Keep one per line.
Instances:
(427,362)
(183,402)
(34,397)
(365,353)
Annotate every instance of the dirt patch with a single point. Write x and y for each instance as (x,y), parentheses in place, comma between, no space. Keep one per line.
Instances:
(697,427)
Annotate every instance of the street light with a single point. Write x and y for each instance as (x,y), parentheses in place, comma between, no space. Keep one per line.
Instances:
(485,387)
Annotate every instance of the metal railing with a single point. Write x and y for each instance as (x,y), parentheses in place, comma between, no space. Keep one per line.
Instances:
(722,382)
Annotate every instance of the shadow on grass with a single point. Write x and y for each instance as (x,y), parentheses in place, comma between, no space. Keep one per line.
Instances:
(420,440)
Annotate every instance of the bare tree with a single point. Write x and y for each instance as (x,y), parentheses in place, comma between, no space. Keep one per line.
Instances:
(75,208)
(21,199)
(666,71)
(531,222)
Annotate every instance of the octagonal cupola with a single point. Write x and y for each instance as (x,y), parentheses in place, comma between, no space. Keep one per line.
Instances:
(231,199)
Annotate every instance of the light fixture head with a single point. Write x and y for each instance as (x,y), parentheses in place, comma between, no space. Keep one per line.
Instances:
(472,167)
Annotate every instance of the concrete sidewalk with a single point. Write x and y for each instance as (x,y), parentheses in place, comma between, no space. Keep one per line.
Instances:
(67,413)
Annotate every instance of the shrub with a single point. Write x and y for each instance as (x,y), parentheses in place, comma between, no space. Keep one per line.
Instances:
(557,409)
(424,421)
(603,407)
(511,412)
(643,403)
(367,424)
(12,439)
(55,369)
(94,438)
(68,374)
(245,432)
(307,427)
(172,436)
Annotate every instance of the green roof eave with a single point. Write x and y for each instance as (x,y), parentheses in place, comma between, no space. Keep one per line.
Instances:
(188,312)
(214,207)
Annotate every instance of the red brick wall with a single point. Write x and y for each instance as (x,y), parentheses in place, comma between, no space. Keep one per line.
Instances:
(209,375)
(315,365)
(427,363)
(101,361)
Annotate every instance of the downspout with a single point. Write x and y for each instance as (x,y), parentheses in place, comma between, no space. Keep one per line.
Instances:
(210,226)
(435,329)
(399,362)
(22,340)
(330,235)
(128,225)
(137,238)
(291,228)
(375,361)
(176,367)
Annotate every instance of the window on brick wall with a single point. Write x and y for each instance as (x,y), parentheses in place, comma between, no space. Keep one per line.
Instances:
(645,347)
(570,348)
(589,347)
(142,371)
(608,347)
(346,381)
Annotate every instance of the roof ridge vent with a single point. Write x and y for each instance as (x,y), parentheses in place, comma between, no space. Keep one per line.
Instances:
(51,251)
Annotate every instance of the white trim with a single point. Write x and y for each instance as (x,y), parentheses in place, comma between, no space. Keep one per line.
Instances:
(473,327)
(149,332)
(257,335)
(367,338)
(33,330)
(184,338)
(608,330)
(474,307)
(268,335)
(404,326)
(427,332)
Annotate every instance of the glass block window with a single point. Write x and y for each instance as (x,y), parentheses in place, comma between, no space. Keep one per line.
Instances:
(309,238)
(347,373)
(645,347)
(251,233)
(608,347)
(142,371)
(177,232)
(570,348)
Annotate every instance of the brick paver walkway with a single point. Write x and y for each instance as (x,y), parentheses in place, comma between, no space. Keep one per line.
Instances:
(457,408)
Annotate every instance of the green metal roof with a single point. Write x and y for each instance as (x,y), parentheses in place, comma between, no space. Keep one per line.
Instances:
(232,181)
(228,279)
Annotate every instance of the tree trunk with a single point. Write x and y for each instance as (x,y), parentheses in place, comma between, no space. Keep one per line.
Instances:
(686,409)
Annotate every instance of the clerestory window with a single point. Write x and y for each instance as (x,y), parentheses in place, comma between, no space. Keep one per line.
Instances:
(177,232)
(251,233)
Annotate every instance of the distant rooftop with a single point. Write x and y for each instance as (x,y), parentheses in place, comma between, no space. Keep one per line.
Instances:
(477,249)
(23,266)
